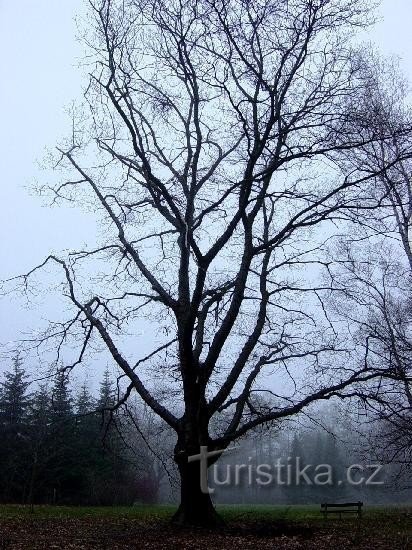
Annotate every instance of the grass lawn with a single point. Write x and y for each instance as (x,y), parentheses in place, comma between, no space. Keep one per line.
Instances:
(257,527)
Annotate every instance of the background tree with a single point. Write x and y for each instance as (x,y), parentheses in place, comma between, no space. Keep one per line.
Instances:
(376,278)
(41,452)
(296,491)
(13,431)
(54,449)
(149,445)
(105,401)
(88,445)
(211,143)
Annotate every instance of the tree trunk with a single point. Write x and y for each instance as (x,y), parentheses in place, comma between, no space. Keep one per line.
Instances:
(30,499)
(196,507)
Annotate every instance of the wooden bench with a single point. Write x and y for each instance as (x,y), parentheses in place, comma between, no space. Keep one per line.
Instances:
(341,508)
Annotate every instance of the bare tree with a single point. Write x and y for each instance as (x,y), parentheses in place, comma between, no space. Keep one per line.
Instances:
(210,145)
(376,279)
(377,308)
(385,108)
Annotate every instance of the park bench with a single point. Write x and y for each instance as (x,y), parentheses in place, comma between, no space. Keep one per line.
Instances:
(341,508)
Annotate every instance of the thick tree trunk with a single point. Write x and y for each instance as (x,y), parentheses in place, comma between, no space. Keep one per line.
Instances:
(196,507)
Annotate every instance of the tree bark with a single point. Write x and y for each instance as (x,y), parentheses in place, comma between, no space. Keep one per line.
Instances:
(196,507)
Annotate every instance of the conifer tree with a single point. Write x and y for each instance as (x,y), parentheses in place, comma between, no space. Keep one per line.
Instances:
(63,439)
(41,449)
(61,397)
(85,403)
(13,397)
(14,403)
(295,486)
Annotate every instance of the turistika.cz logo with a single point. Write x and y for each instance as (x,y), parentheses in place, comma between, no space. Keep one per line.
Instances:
(284,471)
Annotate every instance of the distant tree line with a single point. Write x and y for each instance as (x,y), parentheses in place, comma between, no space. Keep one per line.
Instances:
(334,442)
(64,447)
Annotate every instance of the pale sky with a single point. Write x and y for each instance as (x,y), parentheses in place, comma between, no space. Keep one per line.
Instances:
(39,78)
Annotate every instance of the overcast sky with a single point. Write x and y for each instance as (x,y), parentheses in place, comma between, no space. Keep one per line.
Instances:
(39,78)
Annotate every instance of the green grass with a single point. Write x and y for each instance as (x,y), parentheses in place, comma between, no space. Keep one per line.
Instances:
(40,511)
(269,512)
(228,512)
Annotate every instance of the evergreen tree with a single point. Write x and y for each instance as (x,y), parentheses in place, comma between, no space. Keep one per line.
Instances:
(14,403)
(13,397)
(317,458)
(63,441)
(116,479)
(40,410)
(88,448)
(61,398)
(331,455)
(106,400)
(41,446)
(296,489)
(106,392)
(85,404)
(52,444)
(109,442)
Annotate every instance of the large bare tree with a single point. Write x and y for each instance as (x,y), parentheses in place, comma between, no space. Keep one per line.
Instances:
(211,143)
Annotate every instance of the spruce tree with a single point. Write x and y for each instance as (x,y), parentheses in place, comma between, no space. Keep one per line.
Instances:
(13,397)
(87,444)
(331,455)
(296,489)
(14,403)
(106,400)
(42,453)
(63,437)
(61,398)
(85,404)
(115,481)
(106,391)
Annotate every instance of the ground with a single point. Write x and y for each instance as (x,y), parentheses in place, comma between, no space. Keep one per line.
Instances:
(257,527)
